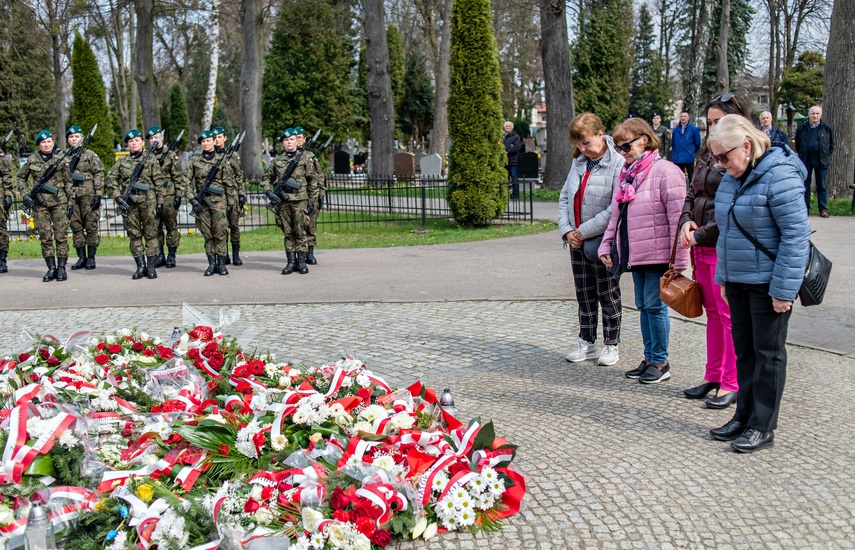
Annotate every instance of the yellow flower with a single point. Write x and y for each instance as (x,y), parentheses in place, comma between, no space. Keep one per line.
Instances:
(145,492)
(100,505)
(190,231)
(32,224)
(316,437)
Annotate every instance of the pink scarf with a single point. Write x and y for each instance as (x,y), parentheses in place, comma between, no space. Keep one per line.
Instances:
(633,174)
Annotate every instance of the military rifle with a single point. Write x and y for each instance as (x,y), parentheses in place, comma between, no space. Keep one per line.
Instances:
(202,196)
(127,195)
(72,166)
(35,194)
(6,140)
(319,151)
(172,145)
(289,171)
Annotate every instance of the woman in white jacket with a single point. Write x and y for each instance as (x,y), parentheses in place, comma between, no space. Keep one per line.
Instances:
(584,210)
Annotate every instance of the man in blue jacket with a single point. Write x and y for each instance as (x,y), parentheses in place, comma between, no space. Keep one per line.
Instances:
(685,143)
(815,144)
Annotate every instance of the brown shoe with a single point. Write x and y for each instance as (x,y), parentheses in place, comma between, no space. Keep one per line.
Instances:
(823,213)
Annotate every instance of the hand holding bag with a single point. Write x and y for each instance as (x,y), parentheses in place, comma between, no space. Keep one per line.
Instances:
(680,293)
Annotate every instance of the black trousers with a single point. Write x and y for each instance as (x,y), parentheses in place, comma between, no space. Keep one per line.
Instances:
(688,168)
(594,285)
(759,338)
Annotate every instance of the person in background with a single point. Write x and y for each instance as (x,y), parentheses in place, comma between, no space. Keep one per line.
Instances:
(584,210)
(685,143)
(664,135)
(513,145)
(777,136)
(815,145)
(760,197)
(646,207)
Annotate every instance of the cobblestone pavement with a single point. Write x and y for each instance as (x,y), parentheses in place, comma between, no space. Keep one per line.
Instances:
(609,463)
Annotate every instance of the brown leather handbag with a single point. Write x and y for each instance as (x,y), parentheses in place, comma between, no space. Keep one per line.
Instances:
(680,293)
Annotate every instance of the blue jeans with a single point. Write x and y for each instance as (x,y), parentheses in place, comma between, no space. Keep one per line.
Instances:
(813,165)
(655,323)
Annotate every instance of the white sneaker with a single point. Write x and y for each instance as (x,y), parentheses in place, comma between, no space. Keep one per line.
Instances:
(583,350)
(609,356)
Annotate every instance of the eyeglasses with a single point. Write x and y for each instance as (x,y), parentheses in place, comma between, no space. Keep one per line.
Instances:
(722,158)
(626,147)
(724,98)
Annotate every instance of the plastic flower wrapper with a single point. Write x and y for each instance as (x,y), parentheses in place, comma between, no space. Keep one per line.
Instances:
(130,346)
(175,386)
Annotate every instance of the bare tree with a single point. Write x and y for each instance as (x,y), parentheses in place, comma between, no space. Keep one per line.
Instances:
(555,51)
(380,101)
(668,11)
(722,72)
(699,30)
(440,113)
(208,114)
(144,64)
(250,87)
(839,101)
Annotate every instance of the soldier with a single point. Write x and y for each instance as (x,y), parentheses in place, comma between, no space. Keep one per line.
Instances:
(296,202)
(312,226)
(142,206)
(211,217)
(170,191)
(52,210)
(88,182)
(8,189)
(235,193)
(664,135)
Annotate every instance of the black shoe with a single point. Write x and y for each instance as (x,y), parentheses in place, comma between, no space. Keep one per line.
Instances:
(3,267)
(221,265)
(61,274)
(141,269)
(51,272)
(699,392)
(170,258)
(310,256)
(655,375)
(729,431)
(753,440)
(227,259)
(212,266)
(152,265)
(90,256)
(722,401)
(637,371)
(301,263)
(236,255)
(81,258)
(289,267)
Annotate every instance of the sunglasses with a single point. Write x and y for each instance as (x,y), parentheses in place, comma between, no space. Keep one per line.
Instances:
(722,158)
(724,98)
(626,147)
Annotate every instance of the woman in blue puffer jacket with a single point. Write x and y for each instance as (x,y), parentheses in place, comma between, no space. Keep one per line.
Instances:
(763,193)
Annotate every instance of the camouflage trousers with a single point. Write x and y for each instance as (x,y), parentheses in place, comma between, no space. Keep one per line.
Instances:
(292,219)
(213,225)
(167,225)
(312,226)
(233,214)
(4,231)
(51,223)
(85,223)
(141,224)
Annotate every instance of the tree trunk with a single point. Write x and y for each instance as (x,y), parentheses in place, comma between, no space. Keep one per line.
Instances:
(58,104)
(144,63)
(250,88)
(379,89)
(692,95)
(440,113)
(839,101)
(558,87)
(211,95)
(134,99)
(772,78)
(722,71)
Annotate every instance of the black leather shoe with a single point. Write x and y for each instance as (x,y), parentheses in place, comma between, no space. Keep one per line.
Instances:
(753,440)
(729,431)
(81,258)
(699,392)
(637,371)
(722,401)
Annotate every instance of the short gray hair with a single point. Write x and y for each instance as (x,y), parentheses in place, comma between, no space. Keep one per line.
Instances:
(508,122)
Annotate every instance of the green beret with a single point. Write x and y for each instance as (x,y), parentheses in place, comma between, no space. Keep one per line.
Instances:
(132,134)
(204,135)
(73,130)
(43,135)
(289,132)
(299,131)
(218,130)
(153,131)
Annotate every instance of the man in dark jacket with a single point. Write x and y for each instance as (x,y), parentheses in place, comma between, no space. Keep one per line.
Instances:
(513,144)
(815,144)
(777,136)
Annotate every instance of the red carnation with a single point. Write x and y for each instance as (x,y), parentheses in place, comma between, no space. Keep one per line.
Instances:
(216,360)
(251,506)
(53,361)
(339,500)
(365,526)
(223,450)
(164,352)
(258,441)
(138,347)
(341,515)
(102,359)
(381,537)
(266,493)
(365,395)
(23,357)
(114,348)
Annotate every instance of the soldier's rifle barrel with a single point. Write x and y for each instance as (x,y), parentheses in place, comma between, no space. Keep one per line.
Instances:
(286,175)
(72,166)
(202,195)
(6,140)
(172,145)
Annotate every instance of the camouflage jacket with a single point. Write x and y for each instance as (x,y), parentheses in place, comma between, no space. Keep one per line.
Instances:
(197,173)
(319,174)
(304,177)
(234,175)
(173,183)
(35,166)
(88,179)
(147,188)
(6,183)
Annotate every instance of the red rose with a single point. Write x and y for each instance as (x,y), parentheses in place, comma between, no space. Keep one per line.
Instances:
(102,359)
(148,352)
(53,361)
(365,395)
(100,346)
(34,377)
(458,468)
(44,353)
(138,347)
(251,506)
(23,357)
(365,526)
(341,515)
(202,333)
(164,352)
(223,450)
(114,348)
(216,360)
(339,500)
(193,353)
(381,537)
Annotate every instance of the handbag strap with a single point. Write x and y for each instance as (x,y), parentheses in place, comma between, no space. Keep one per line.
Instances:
(749,236)
(674,251)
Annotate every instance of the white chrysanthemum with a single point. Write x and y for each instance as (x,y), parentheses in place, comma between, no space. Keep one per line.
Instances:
(361,427)
(402,421)
(440,480)
(68,439)
(301,543)
(120,542)
(374,412)
(484,501)
(171,528)
(446,505)
(303,415)
(449,523)
(476,485)
(316,399)
(385,462)
(488,474)
(363,380)
(497,487)
(466,517)
(458,494)
(36,427)
(278,442)
(318,541)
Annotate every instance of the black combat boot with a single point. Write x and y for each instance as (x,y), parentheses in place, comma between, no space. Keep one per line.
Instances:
(3,267)
(310,256)
(289,267)
(236,254)
(301,263)
(81,258)
(221,265)
(226,258)
(212,266)
(61,274)
(170,258)
(90,257)
(140,272)
(51,269)
(160,259)
(152,265)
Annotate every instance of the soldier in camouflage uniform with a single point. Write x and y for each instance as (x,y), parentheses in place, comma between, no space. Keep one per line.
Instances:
(88,183)
(312,225)
(8,189)
(211,217)
(235,193)
(142,206)
(52,212)
(295,202)
(170,191)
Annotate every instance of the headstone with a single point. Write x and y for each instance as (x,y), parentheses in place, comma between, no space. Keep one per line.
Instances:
(431,165)
(418,159)
(540,137)
(528,165)
(405,166)
(529,144)
(341,162)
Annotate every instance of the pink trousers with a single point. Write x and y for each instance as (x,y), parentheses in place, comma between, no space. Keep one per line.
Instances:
(721,358)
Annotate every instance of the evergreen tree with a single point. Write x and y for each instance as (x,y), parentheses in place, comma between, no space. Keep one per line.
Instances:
(89,98)
(397,69)
(476,175)
(178,116)
(602,60)
(221,118)
(165,118)
(417,105)
(801,84)
(307,71)
(741,17)
(649,91)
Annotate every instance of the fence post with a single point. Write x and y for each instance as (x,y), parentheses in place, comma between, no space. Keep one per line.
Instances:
(424,206)
(531,201)
(389,192)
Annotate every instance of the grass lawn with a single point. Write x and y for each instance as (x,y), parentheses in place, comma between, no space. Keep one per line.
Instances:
(836,207)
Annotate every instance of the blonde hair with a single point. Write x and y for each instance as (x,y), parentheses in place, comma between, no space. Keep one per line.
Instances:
(733,130)
(635,127)
(583,126)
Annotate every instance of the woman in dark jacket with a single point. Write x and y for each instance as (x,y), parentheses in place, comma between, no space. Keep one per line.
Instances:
(699,231)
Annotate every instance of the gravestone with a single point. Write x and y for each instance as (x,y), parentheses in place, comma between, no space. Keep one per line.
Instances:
(418,159)
(405,165)
(341,162)
(528,165)
(360,158)
(431,165)
(529,144)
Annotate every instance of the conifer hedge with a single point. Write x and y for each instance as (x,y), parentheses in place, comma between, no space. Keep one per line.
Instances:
(89,100)
(178,116)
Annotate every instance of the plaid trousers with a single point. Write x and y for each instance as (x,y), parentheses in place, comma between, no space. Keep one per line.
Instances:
(593,285)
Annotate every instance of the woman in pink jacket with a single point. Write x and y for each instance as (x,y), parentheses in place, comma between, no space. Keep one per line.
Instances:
(646,207)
